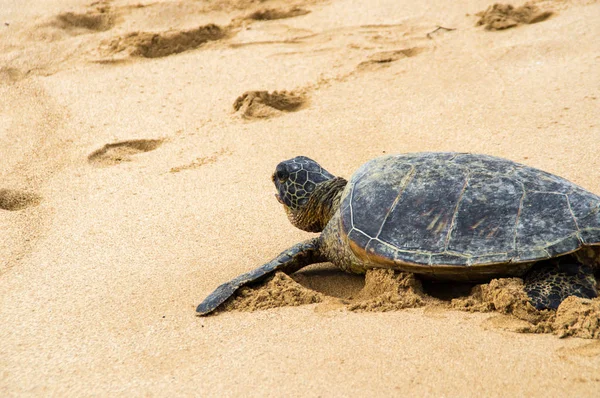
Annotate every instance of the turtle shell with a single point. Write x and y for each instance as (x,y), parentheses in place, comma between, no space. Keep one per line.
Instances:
(444,212)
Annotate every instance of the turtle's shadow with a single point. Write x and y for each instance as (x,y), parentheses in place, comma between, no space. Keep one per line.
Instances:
(331,281)
(446,291)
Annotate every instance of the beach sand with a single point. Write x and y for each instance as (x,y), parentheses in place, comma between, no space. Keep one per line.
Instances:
(137,141)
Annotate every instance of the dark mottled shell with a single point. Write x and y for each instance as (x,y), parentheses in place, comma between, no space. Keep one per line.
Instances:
(426,210)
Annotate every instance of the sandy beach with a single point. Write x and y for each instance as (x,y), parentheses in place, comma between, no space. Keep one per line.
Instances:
(137,143)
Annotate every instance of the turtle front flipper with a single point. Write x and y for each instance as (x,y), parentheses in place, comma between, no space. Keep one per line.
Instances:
(548,283)
(289,261)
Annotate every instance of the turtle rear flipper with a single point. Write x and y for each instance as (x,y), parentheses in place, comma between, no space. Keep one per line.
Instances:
(550,282)
(289,261)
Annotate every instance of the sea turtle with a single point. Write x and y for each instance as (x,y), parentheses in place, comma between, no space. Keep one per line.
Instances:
(442,216)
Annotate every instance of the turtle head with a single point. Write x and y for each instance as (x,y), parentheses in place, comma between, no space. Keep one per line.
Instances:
(307,192)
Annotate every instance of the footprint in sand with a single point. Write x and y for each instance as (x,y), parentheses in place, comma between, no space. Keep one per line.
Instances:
(99,19)
(385,58)
(112,154)
(264,105)
(13,200)
(156,45)
(587,350)
(269,14)
(582,356)
(504,16)
(11,75)
(201,161)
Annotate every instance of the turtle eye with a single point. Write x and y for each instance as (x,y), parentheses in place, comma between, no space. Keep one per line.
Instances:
(281,174)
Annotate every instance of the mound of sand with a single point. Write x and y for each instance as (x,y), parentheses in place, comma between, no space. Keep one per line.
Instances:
(387,290)
(578,317)
(506,296)
(278,291)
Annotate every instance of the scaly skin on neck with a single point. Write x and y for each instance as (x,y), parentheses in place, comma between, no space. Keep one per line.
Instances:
(321,206)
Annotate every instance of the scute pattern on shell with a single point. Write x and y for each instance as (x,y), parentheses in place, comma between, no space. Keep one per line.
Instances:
(452,209)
